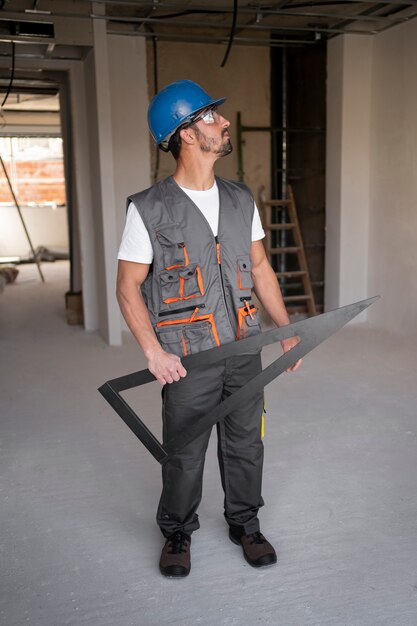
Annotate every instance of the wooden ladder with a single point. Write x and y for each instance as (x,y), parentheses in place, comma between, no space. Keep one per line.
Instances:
(298,248)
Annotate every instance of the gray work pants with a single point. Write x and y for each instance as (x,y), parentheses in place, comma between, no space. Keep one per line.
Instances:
(240,447)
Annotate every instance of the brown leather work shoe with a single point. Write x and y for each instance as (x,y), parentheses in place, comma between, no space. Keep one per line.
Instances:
(256,549)
(175,557)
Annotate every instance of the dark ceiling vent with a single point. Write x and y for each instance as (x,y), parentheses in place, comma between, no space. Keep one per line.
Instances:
(44,30)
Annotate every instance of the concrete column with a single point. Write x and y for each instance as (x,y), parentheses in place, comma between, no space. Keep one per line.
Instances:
(129,105)
(110,325)
(348,169)
(83,195)
(393,224)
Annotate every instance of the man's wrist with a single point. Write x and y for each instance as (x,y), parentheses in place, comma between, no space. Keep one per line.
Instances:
(282,322)
(151,351)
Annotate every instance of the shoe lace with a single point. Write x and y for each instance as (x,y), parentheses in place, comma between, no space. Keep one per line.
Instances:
(177,543)
(257,537)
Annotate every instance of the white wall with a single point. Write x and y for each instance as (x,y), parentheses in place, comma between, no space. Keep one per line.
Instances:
(371,240)
(348,169)
(47,227)
(393,224)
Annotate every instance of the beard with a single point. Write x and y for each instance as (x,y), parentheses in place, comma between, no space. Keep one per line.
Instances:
(208,144)
(226,147)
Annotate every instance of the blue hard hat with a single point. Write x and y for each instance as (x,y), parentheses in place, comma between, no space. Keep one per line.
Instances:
(175,105)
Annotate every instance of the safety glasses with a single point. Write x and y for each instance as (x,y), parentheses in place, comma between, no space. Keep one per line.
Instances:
(208,116)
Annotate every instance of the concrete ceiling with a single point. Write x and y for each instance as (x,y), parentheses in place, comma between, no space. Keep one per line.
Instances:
(62,28)
(287,22)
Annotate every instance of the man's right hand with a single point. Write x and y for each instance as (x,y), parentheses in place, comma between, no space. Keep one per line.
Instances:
(166,367)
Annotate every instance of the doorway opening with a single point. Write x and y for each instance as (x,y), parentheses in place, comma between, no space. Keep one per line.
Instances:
(35,169)
(298,106)
(36,149)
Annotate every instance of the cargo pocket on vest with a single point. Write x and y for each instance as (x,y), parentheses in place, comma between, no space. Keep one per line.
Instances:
(173,247)
(199,337)
(173,341)
(191,282)
(188,335)
(181,284)
(247,321)
(244,276)
(170,285)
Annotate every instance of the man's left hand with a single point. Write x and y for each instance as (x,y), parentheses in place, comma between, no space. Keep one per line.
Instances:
(287,345)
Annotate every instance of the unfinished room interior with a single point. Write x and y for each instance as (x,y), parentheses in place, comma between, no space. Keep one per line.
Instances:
(306,110)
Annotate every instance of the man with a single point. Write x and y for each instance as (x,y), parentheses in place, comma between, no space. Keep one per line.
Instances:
(190,255)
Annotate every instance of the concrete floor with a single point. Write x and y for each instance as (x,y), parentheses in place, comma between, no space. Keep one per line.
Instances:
(79,493)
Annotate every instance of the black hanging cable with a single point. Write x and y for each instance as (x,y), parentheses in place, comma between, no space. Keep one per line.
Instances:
(11,76)
(155,60)
(155,80)
(188,12)
(232,34)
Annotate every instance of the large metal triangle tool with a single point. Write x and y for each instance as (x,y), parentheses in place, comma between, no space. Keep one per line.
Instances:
(311,332)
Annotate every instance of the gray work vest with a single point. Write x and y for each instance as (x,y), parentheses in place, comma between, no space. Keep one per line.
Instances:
(198,290)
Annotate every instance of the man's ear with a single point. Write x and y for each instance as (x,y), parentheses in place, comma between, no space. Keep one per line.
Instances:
(187,135)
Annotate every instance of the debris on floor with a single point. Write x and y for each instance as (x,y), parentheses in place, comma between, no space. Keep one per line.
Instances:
(8,274)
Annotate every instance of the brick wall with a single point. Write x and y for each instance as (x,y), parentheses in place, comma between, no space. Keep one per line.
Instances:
(39,181)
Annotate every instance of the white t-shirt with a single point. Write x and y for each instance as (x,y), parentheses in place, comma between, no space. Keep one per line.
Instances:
(136,245)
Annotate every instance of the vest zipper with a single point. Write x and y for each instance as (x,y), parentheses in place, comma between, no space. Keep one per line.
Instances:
(218,254)
(183,310)
(221,275)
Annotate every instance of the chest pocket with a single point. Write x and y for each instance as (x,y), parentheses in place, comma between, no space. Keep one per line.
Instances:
(244,276)
(181,283)
(173,247)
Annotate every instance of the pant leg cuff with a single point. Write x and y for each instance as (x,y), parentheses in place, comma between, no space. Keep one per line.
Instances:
(237,530)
